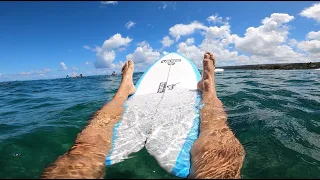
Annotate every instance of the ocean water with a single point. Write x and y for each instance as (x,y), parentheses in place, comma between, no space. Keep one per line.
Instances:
(275,114)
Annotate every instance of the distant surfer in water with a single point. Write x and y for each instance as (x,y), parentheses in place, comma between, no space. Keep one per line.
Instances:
(74,75)
(113,73)
(217,153)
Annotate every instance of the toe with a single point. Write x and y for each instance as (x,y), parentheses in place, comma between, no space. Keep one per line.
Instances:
(212,57)
(130,63)
(125,66)
(207,55)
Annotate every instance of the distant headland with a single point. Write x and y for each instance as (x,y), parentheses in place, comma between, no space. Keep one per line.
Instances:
(286,66)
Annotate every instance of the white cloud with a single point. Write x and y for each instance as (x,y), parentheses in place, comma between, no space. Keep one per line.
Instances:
(292,42)
(179,30)
(86,47)
(166,41)
(192,52)
(36,72)
(219,49)
(46,70)
(269,42)
(312,12)
(86,63)
(143,56)
(312,46)
(109,2)
(267,39)
(285,53)
(217,19)
(190,41)
(265,43)
(222,32)
(216,40)
(129,24)
(313,35)
(63,66)
(242,59)
(143,43)
(214,18)
(121,49)
(165,53)
(114,42)
(164,5)
(104,59)
(168,4)
(106,54)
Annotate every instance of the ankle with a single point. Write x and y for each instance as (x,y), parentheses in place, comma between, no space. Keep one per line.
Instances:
(120,98)
(209,95)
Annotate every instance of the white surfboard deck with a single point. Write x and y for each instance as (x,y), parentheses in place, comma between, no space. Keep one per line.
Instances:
(162,115)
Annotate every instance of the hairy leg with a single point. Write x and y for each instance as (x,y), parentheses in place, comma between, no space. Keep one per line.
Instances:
(87,157)
(217,153)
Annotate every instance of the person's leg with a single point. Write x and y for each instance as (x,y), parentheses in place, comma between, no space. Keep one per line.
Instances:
(87,157)
(217,153)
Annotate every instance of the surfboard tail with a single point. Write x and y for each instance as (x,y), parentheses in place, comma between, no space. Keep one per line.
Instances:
(175,132)
(125,142)
(130,133)
(127,138)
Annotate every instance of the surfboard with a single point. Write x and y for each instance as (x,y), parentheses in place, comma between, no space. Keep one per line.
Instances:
(162,116)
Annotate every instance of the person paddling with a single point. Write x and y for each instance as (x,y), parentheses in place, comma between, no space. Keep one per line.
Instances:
(217,153)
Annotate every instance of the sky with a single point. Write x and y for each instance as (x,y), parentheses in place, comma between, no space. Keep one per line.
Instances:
(44,40)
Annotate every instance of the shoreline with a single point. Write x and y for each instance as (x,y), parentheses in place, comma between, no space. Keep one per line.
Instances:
(284,66)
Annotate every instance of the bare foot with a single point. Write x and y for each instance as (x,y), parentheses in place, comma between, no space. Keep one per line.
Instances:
(206,84)
(127,73)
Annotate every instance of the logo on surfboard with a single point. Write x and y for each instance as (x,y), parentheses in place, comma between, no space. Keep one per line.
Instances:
(171,86)
(163,86)
(171,61)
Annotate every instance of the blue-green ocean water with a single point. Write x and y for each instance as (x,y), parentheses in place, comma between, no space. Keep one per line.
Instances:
(275,114)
